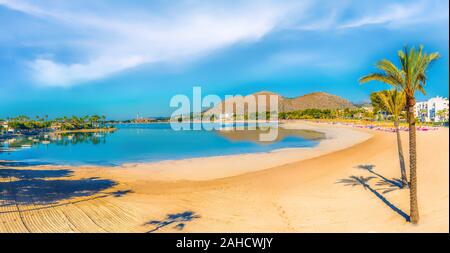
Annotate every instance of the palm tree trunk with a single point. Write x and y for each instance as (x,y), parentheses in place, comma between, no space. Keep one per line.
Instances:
(414,207)
(400,155)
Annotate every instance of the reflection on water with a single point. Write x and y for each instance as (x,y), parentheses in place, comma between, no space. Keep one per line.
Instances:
(146,143)
(251,132)
(59,139)
(283,133)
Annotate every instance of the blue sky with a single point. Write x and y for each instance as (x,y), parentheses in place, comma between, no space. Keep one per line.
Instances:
(119,58)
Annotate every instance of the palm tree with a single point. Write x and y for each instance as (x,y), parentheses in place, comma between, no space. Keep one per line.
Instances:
(442,115)
(103,120)
(423,114)
(410,78)
(394,102)
(94,120)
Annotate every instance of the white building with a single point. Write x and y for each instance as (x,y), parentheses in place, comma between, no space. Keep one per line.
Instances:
(225,116)
(434,110)
(5,126)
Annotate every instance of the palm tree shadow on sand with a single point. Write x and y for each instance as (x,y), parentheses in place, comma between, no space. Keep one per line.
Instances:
(387,185)
(45,187)
(364,182)
(179,219)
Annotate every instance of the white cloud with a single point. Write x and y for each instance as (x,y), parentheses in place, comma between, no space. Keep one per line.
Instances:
(388,14)
(58,74)
(335,15)
(111,39)
(114,43)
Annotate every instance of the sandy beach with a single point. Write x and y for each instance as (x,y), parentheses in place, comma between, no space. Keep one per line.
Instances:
(291,190)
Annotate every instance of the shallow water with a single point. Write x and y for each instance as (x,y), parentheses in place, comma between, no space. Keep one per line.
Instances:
(148,142)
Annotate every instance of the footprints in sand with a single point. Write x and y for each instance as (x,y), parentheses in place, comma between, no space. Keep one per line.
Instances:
(284,217)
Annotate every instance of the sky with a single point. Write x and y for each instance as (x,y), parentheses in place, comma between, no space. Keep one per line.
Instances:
(120,58)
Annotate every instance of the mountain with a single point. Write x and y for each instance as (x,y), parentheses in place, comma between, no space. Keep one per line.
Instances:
(315,100)
(240,103)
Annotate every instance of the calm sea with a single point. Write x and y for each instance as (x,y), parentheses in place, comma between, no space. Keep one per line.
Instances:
(145,143)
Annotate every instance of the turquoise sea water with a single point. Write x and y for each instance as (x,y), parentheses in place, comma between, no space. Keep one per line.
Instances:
(147,142)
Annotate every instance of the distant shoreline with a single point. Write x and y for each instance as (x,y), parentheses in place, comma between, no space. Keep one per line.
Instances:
(96,130)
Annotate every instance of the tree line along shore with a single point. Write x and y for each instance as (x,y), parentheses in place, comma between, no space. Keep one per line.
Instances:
(29,126)
(377,112)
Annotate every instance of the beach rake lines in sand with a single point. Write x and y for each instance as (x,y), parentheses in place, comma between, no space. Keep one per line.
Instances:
(19,216)
(81,219)
(127,220)
(11,220)
(93,214)
(121,221)
(49,201)
(104,213)
(49,219)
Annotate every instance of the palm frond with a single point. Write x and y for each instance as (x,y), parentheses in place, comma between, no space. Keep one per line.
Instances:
(434,56)
(411,76)
(394,101)
(390,70)
(378,77)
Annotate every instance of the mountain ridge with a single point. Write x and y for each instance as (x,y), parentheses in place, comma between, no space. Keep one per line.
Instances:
(314,100)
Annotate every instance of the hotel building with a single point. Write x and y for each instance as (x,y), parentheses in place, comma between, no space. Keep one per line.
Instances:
(433,110)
